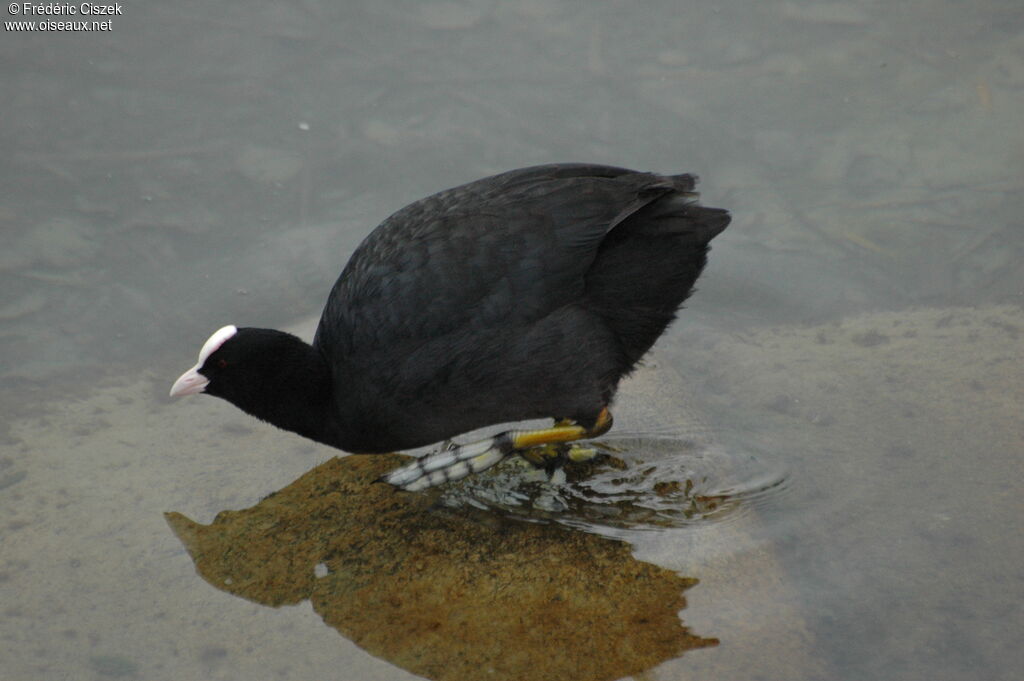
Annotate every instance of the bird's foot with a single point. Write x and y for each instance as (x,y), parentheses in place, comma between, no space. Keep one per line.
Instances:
(555,455)
(450,463)
(544,445)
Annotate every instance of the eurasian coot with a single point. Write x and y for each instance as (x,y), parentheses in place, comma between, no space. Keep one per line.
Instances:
(525,295)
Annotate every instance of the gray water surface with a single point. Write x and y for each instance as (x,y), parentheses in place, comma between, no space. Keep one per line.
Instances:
(854,350)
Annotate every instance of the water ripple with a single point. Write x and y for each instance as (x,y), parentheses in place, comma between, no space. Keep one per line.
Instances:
(642,482)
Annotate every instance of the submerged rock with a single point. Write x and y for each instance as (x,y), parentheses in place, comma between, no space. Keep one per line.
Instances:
(445,593)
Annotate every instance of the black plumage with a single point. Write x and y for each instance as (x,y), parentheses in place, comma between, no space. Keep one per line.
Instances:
(524,295)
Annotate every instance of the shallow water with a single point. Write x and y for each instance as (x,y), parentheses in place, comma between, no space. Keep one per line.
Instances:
(828,440)
(634,484)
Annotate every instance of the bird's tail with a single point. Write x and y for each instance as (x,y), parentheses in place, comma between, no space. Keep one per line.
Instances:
(678,212)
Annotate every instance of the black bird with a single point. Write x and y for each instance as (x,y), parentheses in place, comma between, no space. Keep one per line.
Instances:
(525,295)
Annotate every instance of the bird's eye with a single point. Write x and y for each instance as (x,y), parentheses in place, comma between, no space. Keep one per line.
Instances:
(222,363)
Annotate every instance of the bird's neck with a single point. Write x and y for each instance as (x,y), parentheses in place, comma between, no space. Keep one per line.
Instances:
(298,394)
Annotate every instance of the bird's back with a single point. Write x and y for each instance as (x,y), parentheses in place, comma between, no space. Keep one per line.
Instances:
(512,296)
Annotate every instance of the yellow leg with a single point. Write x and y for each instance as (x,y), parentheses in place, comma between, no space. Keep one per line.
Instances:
(545,448)
(563,431)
